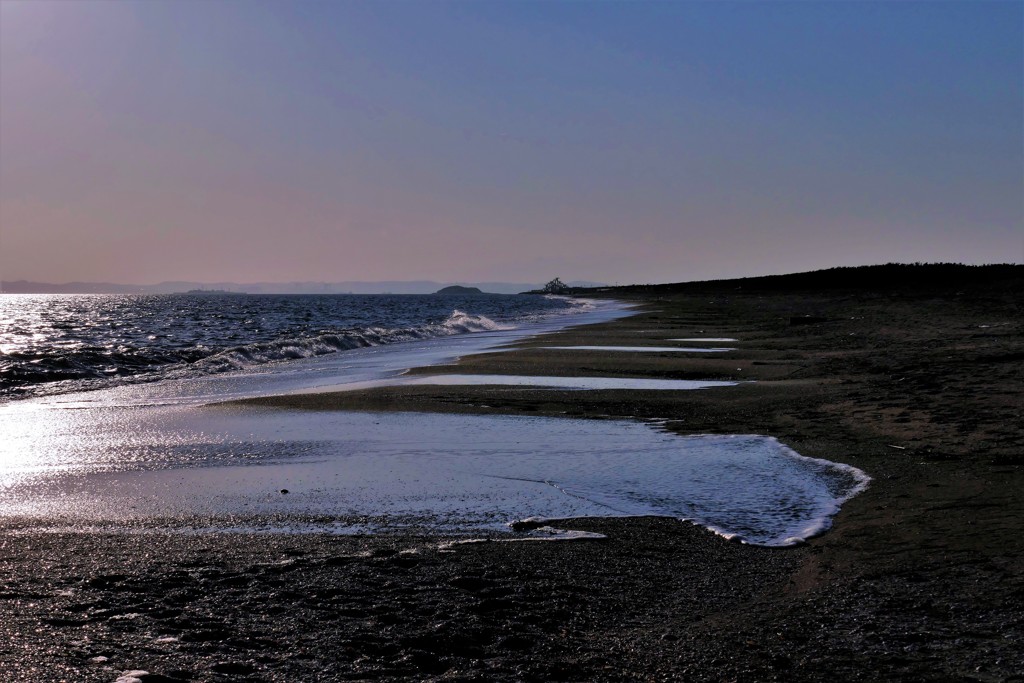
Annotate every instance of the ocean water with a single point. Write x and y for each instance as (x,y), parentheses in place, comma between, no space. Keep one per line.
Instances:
(62,343)
(110,426)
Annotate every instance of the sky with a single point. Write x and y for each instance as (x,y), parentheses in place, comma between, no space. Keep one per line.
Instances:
(618,142)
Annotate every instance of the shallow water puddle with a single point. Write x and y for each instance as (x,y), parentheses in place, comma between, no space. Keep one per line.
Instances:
(551,382)
(706,339)
(565,382)
(642,349)
(365,472)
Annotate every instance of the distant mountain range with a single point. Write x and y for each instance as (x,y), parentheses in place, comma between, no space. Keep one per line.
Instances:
(354,287)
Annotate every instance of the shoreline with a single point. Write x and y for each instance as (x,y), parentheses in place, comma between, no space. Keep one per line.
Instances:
(920,577)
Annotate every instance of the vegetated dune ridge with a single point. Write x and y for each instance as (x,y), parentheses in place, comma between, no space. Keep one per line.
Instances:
(911,373)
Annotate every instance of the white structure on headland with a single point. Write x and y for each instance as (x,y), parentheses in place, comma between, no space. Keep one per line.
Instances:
(556,286)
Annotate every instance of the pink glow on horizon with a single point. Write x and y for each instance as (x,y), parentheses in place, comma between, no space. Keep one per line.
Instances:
(142,142)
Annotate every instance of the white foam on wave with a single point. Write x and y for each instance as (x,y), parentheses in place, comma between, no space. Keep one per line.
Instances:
(706,339)
(578,305)
(240,357)
(459,322)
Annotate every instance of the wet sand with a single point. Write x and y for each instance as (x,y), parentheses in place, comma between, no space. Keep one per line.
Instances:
(921,578)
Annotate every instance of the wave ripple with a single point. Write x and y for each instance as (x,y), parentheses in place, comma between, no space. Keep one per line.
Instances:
(60,343)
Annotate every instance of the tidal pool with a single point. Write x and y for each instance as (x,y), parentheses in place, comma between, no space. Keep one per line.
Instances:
(582,383)
(643,349)
(218,468)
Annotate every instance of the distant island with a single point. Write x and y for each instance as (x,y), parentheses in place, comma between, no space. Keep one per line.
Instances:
(305,287)
(458,290)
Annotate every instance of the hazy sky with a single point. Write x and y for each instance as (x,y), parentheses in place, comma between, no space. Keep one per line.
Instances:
(619,142)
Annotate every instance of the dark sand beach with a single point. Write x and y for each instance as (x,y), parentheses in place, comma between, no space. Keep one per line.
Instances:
(915,381)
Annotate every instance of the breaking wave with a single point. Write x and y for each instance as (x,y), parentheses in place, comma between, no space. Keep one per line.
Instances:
(306,347)
(55,345)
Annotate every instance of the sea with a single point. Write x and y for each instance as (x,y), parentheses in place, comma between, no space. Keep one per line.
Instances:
(60,343)
(116,415)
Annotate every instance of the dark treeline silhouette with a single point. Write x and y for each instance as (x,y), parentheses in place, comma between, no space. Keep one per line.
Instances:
(890,276)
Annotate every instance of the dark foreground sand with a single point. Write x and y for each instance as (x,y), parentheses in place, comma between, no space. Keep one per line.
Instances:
(922,577)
